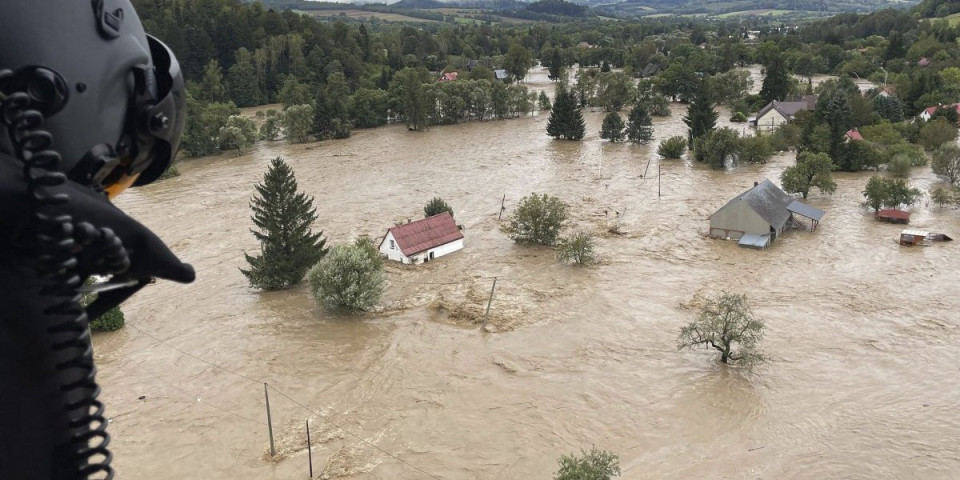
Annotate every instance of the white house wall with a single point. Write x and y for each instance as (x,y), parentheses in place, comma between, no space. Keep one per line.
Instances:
(393,254)
(398,256)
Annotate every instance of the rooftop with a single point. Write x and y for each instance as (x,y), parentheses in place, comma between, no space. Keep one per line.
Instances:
(422,235)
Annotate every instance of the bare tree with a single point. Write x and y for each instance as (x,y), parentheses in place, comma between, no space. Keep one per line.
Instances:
(726,324)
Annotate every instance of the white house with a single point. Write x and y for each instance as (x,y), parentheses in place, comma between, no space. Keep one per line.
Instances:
(777,113)
(423,240)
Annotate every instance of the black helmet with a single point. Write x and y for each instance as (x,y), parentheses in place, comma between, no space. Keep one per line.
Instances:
(112,96)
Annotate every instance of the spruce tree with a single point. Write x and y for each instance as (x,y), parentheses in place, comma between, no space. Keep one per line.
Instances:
(612,128)
(322,123)
(283,216)
(701,117)
(566,119)
(556,65)
(639,125)
(776,84)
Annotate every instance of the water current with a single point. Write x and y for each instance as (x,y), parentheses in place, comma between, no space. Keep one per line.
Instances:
(862,334)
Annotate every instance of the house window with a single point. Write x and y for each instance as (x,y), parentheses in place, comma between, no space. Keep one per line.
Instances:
(393,245)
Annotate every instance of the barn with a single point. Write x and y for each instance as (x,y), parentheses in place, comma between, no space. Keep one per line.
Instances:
(423,240)
(759,215)
(777,113)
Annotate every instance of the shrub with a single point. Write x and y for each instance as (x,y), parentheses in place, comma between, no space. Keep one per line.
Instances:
(593,465)
(673,147)
(538,219)
(271,112)
(436,206)
(349,276)
(109,321)
(738,117)
(261,114)
(170,172)
(577,248)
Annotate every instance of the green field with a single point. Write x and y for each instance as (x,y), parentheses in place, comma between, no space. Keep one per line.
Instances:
(766,12)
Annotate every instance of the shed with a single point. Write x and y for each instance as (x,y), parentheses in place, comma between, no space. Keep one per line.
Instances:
(758,242)
(423,240)
(761,210)
(500,73)
(893,216)
(804,210)
(914,237)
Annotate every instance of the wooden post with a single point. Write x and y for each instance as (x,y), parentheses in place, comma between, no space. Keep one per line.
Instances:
(273,451)
(658,181)
(489,301)
(504,199)
(309,449)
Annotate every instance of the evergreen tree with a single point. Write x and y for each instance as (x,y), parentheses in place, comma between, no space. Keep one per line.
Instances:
(544,101)
(701,117)
(612,128)
(322,124)
(283,216)
(566,119)
(556,65)
(639,125)
(776,84)
(210,88)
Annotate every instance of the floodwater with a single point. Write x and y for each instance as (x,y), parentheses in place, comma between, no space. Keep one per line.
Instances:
(862,333)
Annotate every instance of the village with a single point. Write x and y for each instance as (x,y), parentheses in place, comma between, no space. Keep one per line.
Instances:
(671,247)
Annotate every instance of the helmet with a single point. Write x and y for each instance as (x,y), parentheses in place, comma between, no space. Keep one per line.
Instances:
(112,96)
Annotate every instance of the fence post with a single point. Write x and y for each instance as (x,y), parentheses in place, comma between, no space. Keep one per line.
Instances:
(273,451)
(502,208)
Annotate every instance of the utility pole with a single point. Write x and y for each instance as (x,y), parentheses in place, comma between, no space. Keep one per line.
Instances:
(489,301)
(309,449)
(273,451)
(658,180)
(502,208)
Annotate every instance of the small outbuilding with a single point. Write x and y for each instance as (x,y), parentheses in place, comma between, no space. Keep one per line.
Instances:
(758,216)
(777,113)
(914,237)
(893,216)
(422,240)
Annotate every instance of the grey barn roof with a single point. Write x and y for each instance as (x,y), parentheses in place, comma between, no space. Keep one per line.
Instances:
(768,201)
(805,210)
(789,109)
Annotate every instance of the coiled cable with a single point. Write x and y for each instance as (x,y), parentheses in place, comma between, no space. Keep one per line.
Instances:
(59,243)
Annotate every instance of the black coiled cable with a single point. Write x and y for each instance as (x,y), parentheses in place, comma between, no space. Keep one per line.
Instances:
(59,241)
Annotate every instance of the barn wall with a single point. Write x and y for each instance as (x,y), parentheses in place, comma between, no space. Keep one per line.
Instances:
(740,217)
(771,119)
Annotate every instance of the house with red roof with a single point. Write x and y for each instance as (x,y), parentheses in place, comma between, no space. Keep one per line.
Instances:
(423,240)
(854,134)
(928,112)
(448,77)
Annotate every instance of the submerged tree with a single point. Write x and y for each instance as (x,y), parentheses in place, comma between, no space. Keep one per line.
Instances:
(566,119)
(811,170)
(727,324)
(612,128)
(538,219)
(776,83)
(701,117)
(593,465)
(578,248)
(350,276)
(672,147)
(283,216)
(946,163)
(639,125)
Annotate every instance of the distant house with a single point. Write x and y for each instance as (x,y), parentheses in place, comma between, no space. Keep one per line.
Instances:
(423,240)
(923,62)
(471,64)
(887,91)
(501,74)
(448,77)
(853,135)
(928,112)
(758,216)
(586,45)
(777,113)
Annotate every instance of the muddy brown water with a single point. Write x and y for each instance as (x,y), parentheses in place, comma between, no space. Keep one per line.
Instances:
(863,334)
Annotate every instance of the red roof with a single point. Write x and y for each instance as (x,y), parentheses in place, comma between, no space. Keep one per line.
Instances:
(897,214)
(854,135)
(416,237)
(448,77)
